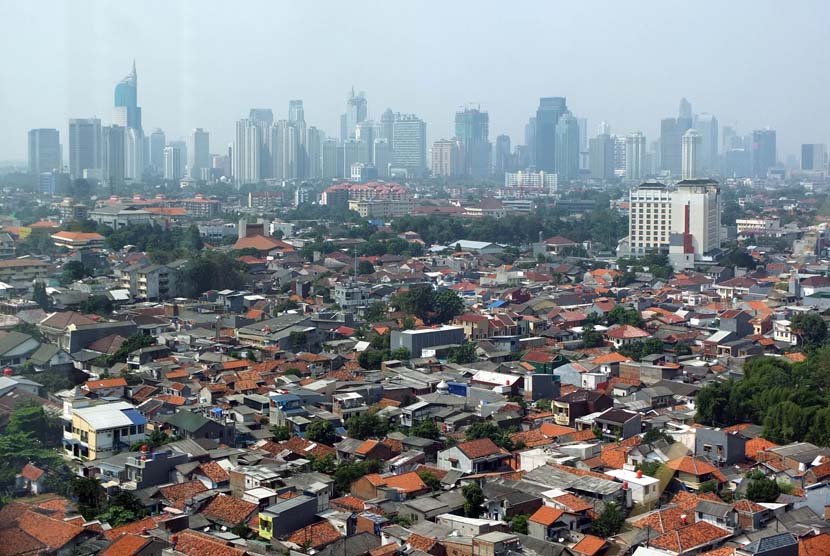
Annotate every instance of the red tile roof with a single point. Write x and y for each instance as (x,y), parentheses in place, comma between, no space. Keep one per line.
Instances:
(105,383)
(755,445)
(573,503)
(134,527)
(31,473)
(182,491)
(54,533)
(16,542)
(214,472)
(127,545)
(589,545)
(315,536)
(696,535)
(696,467)
(192,543)
(546,515)
(627,332)
(480,448)
(229,510)
(818,545)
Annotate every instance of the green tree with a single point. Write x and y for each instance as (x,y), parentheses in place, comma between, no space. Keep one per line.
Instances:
(90,495)
(624,315)
(366,425)
(280,434)
(74,270)
(709,486)
(40,296)
(488,429)
(591,338)
(446,305)
(430,480)
(30,418)
(347,473)
(473,500)
(518,524)
(133,343)
(325,464)
(763,490)
(609,522)
(810,329)
(426,429)
(465,353)
(401,354)
(321,431)
(365,267)
(377,311)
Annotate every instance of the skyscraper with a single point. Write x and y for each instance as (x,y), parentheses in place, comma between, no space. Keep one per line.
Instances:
(707,126)
(472,128)
(199,152)
(353,152)
(113,155)
(409,138)
(44,151)
(84,146)
(503,158)
(355,113)
(328,159)
(173,164)
(530,143)
(671,139)
(547,117)
(387,123)
(382,156)
(127,113)
(247,152)
(635,154)
(447,160)
(763,151)
(157,143)
(684,110)
(567,148)
(133,154)
(690,159)
(261,116)
(295,111)
(813,157)
(601,150)
(314,143)
(366,132)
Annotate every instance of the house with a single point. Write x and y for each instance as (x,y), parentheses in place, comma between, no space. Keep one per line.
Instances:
(692,539)
(570,407)
(130,544)
(618,424)
(781,544)
(546,524)
(645,490)
(392,487)
(717,513)
(559,245)
(287,516)
(99,430)
(187,424)
(16,348)
(625,334)
(227,511)
(474,456)
(694,471)
(31,480)
(720,446)
(105,388)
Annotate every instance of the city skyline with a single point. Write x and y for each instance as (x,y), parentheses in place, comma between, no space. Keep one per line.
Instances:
(182,91)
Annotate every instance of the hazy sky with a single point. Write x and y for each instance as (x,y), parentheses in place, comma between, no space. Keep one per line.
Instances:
(205,63)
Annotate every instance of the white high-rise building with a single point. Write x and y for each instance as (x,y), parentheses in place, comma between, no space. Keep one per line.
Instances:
(409,137)
(635,156)
(84,146)
(133,154)
(683,220)
(173,163)
(690,156)
(198,152)
(247,152)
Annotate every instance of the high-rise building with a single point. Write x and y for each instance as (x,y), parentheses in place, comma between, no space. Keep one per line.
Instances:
(409,140)
(530,143)
(814,157)
(503,158)
(263,116)
(685,220)
(328,159)
(602,157)
(355,113)
(157,143)
(547,117)
(84,146)
(671,143)
(707,126)
(353,153)
(584,155)
(295,111)
(44,151)
(635,156)
(619,155)
(763,151)
(247,151)
(366,132)
(472,128)
(447,158)
(173,163)
(382,156)
(684,110)
(567,148)
(127,113)
(314,145)
(199,152)
(113,155)
(387,123)
(690,160)
(133,154)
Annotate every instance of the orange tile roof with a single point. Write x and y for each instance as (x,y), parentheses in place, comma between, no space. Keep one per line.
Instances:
(182,491)
(349,502)
(214,472)
(127,545)
(612,357)
(546,515)
(237,364)
(385,550)
(553,430)
(480,448)
(229,510)
(669,519)
(531,438)
(695,466)
(406,482)
(721,551)
(818,545)
(54,533)
(755,445)
(366,447)
(316,535)
(573,503)
(420,542)
(105,383)
(134,527)
(589,545)
(795,356)
(695,535)
(193,543)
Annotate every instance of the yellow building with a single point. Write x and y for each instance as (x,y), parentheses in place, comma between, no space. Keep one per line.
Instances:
(99,431)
